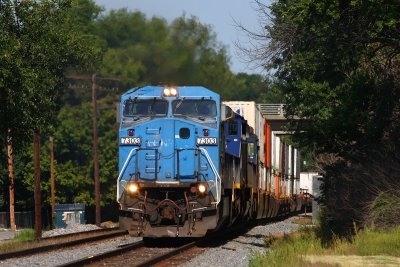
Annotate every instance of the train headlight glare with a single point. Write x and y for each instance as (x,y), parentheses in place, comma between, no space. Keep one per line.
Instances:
(132,188)
(173,91)
(202,188)
(167,92)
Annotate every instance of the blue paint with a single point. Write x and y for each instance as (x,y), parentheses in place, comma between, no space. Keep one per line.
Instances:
(165,152)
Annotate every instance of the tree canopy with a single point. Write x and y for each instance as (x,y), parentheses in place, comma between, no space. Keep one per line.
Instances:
(338,65)
(46,44)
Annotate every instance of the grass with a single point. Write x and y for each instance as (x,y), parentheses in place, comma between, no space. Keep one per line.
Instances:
(304,248)
(25,235)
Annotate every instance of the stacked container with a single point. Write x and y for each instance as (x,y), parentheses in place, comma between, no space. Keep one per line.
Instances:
(279,171)
(249,110)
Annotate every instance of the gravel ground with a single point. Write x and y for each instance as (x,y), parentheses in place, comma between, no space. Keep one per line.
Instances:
(237,252)
(73,228)
(66,255)
(62,256)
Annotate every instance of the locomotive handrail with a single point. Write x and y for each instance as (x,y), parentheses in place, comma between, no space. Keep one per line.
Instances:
(204,151)
(126,163)
(217,177)
(123,170)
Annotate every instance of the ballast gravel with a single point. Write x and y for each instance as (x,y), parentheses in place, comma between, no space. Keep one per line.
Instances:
(237,252)
(65,255)
(73,228)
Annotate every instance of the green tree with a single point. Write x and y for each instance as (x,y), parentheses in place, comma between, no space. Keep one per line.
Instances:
(149,51)
(40,41)
(338,65)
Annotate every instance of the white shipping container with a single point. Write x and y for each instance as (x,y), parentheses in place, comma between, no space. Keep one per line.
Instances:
(297,186)
(306,181)
(296,172)
(276,152)
(289,186)
(246,109)
(287,160)
(263,178)
(260,133)
(297,161)
(290,161)
(270,184)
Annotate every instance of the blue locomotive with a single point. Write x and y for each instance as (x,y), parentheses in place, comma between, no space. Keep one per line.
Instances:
(188,164)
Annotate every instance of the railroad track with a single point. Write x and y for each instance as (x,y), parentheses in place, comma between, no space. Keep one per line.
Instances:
(63,241)
(161,252)
(136,254)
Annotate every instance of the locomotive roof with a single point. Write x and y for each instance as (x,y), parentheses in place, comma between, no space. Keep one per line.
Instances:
(192,91)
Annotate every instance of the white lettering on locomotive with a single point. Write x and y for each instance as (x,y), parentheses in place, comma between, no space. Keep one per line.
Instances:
(130,141)
(207,141)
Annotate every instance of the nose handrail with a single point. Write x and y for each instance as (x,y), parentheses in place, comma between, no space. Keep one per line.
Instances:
(217,177)
(123,170)
(202,150)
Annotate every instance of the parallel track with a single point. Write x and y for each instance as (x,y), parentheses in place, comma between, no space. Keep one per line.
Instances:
(113,233)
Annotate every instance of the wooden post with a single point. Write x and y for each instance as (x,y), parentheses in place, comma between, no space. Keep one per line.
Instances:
(95,152)
(11,177)
(53,215)
(38,200)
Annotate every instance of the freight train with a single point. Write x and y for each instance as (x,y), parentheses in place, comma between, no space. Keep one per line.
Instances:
(190,164)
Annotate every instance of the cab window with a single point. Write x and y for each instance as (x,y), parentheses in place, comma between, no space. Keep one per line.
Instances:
(145,108)
(205,108)
(233,128)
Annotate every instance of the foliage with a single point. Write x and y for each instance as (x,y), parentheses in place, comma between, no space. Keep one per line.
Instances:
(73,154)
(25,235)
(385,209)
(41,42)
(338,64)
(298,248)
(70,44)
(149,51)
(290,250)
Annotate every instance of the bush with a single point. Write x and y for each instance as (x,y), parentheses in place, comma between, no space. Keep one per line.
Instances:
(385,210)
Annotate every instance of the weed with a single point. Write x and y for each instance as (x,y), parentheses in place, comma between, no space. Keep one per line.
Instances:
(25,235)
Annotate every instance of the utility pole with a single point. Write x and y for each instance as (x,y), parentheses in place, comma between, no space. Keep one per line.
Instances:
(53,215)
(95,138)
(96,153)
(38,200)
(11,177)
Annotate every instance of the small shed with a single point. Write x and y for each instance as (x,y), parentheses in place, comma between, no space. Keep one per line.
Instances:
(69,214)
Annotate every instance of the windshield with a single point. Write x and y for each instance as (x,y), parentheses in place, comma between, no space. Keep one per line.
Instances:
(146,107)
(197,108)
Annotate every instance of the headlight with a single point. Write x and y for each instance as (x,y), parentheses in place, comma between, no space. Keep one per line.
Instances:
(170,91)
(132,188)
(167,92)
(173,91)
(202,188)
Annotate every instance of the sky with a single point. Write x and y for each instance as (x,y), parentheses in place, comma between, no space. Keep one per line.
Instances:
(219,14)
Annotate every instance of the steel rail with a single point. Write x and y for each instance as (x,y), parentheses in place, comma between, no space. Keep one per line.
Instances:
(40,249)
(167,255)
(108,254)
